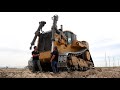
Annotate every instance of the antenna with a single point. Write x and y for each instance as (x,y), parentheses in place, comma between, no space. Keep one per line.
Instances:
(118,61)
(109,60)
(105,60)
(113,62)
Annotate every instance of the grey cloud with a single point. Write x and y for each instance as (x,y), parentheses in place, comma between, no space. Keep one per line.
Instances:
(11,50)
(111,47)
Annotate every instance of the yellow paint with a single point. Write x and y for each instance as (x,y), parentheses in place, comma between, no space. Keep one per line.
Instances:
(62,48)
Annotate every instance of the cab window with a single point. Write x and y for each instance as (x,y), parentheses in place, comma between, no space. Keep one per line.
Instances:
(70,36)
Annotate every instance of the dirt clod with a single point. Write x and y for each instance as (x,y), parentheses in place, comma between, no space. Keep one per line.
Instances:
(98,72)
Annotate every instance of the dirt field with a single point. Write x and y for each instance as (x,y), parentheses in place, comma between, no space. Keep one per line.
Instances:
(98,72)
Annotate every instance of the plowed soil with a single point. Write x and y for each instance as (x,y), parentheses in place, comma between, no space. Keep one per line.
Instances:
(98,72)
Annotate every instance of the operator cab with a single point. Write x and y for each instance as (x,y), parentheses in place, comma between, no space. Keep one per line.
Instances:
(70,36)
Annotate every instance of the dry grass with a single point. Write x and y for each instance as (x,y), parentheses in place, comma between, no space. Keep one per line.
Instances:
(98,72)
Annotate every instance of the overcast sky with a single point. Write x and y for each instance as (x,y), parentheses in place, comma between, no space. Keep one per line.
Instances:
(99,29)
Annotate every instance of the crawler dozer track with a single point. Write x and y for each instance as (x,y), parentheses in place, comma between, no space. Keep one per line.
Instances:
(81,60)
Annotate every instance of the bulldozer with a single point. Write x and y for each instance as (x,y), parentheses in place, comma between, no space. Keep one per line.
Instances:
(73,54)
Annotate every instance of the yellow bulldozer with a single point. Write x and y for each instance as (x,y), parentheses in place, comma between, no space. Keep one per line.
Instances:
(73,54)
